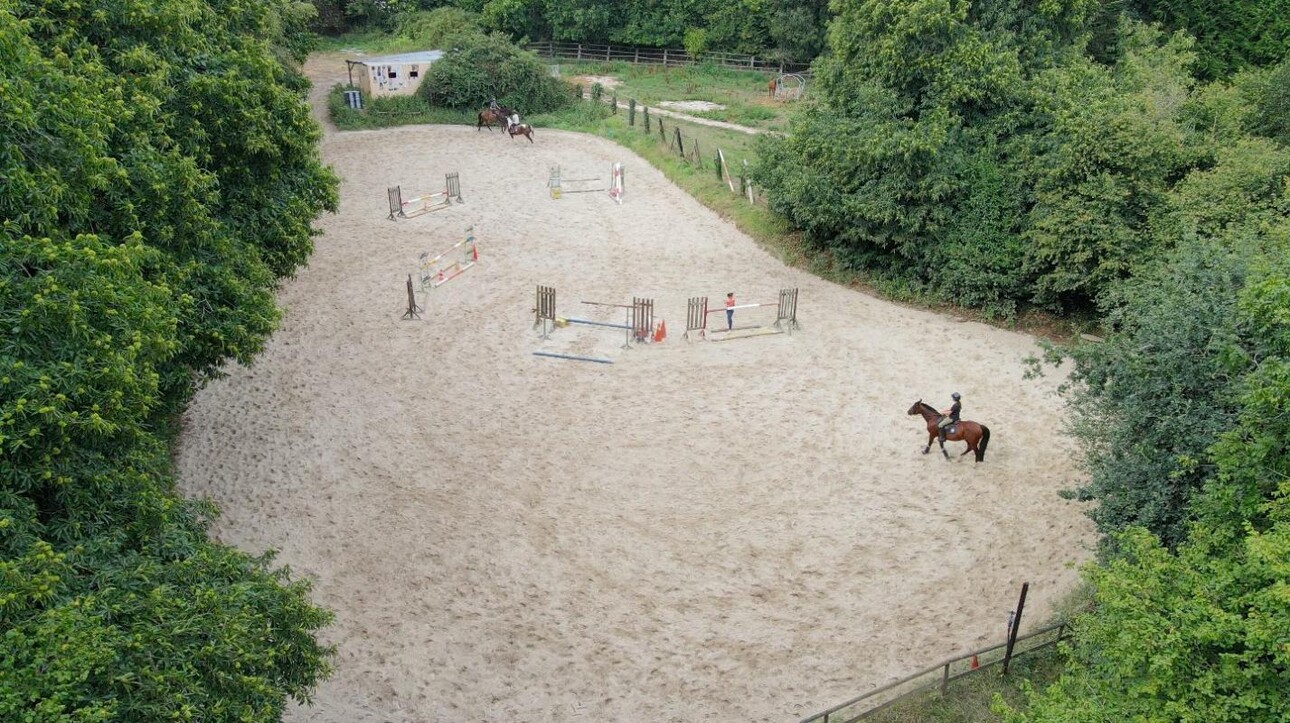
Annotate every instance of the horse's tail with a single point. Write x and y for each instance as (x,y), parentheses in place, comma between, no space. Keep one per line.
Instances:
(985,441)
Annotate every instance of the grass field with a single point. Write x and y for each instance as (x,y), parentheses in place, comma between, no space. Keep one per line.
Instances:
(744,93)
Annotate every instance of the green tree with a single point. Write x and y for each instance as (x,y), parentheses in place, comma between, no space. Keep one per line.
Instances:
(1149,400)
(479,67)
(159,174)
(1201,634)
(1229,35)
(799,28)
(1108,144)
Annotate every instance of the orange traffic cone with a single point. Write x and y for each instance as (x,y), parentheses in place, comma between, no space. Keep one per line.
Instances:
(975,663)
(660,331)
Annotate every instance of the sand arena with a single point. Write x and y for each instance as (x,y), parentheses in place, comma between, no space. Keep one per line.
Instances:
(742,531)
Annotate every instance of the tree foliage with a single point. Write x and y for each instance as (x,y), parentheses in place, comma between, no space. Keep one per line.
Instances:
(479,67)
(159,174)
(1229,35)
(1200,633)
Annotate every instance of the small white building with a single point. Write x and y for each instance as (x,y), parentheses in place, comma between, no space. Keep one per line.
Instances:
(393,74)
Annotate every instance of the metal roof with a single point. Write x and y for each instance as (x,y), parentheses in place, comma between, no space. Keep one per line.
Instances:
(421,56)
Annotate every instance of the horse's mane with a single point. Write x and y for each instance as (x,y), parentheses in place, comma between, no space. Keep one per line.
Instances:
(928,407)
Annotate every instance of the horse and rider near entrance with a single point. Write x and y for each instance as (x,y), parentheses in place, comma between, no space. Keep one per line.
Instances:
(948,427)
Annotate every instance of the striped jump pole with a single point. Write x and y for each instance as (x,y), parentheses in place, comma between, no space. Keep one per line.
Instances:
(451,263)
(426,202)
(616,188)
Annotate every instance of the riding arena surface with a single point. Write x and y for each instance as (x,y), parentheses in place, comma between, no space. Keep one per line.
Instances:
(697,532)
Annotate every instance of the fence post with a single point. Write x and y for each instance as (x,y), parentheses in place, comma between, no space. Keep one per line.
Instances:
(613,103)
(579,51)
(631,111)
(945,678)
(664,57)
(646,114)
(1016,625)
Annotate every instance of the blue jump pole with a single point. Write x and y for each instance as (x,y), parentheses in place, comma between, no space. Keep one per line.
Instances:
(570,356)
(588,322)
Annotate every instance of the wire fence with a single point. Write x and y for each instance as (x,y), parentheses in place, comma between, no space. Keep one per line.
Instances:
(662,56)
(938,676)
(734,174)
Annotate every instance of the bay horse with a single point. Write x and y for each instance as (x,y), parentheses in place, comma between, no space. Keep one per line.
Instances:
(520,129)
(489,116)
(976,435)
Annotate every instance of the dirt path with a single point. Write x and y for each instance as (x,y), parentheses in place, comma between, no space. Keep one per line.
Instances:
(737,531)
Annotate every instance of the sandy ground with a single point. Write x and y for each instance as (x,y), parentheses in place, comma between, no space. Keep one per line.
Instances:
(742,531)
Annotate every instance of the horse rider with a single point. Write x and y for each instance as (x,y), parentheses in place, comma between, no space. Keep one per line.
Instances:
(512,121)
(492,104)
(949,417)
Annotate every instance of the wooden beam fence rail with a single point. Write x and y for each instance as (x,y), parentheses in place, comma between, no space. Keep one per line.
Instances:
(660,56)
(992,655)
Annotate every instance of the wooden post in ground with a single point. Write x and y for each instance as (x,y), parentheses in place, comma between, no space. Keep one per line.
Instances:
(1016,624)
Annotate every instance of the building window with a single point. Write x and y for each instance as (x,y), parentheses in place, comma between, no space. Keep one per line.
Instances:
(393,73)
(413,72)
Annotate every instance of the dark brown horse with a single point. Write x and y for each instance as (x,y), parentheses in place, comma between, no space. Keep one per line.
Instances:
(520,129)
(976,435)
(489,116)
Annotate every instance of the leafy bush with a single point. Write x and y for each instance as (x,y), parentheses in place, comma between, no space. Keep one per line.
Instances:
(436,28)
(480,67)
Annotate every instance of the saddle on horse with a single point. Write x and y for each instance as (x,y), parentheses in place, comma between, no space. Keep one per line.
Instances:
(946,426)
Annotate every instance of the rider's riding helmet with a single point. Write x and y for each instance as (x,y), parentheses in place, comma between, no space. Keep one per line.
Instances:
(955,396)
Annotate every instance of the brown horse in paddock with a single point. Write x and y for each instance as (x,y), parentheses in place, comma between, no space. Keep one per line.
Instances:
(520,129)
(976,435)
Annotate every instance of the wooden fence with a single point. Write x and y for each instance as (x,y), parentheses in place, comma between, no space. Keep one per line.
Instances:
(738,180)
(661,56)
(938,676)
